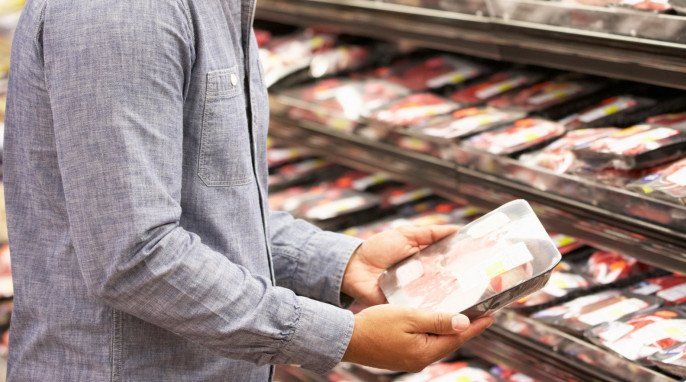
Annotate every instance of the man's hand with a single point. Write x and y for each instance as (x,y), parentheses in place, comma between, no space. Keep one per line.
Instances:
(405,339)
(360,280)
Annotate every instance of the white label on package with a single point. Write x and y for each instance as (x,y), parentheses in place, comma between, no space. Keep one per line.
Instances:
(557,92)
(371,180)
(647,289)
(614,331)
(454,77)
(330,210)
(675,329)
(674,293)
(678,177)
(604,110)
(487,224)
(500,87)
(500,259)
(519,377)
(613,312)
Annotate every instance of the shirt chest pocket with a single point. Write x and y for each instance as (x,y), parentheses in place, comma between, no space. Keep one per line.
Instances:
(225,158)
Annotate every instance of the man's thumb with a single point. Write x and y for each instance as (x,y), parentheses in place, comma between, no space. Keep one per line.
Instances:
(441,323)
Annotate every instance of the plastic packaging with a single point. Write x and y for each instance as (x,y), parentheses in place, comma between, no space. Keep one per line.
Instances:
(510,375)
(278,156)
(495,86)
(675,120)
(525,134)
(285,55)
(586,312)
(639,336)
(465,122)
(455,371)
(491,262)
(546,94)
(434,72)
(647,5)
(671,359)
(558,156)
(412,109)
(668,183)
(635,147)
(339,104)
(607,113)
(607,267)
(670,288)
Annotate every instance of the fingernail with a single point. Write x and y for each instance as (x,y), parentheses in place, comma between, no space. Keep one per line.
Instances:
(460,322)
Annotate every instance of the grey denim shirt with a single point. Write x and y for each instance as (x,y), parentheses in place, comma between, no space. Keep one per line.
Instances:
(135,169)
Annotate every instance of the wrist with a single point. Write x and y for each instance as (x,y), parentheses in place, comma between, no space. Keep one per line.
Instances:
(348,284)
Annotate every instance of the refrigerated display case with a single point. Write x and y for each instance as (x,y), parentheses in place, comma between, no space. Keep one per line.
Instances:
(615,42)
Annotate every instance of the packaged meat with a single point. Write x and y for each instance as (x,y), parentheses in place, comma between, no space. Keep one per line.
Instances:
(346,58)
(434,72)
(671,288)
(635,147)
(563,280)
(510,375)
(607,267)
(668,183)
(445,213)
(646,5)
(564,243)
(641,335)
(455,371)
(339,104)
(412,109)
(525,134)
(297,173)
(278,156)
(285,55)
(464,122)
(675,120)
(542,96)
(671,359)
(335,208)
(496,85)
(558,156)
(393,197)
(372,182)
(585,312)
(608,113)
(491,262)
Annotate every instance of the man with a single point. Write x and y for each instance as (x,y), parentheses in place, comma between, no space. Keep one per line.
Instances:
(141,239)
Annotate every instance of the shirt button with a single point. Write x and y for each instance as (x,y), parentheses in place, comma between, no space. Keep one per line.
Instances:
(234,79)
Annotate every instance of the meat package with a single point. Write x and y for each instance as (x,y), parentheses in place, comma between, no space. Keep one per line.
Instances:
(464,122)
(671,288)
(558,156)
(605,267)
(635,147)
(434,72)
(297,173)
(454,371)
(339,104)
(608,112)
(563,280)
(585,312)
(641,335)
(278,156)
(671,359)
(525,134)
(668,183)
(675,120)
(491,262)
(285,55)
(444,213)
(496,85)
(646,5)
(510,375)
(545,95)
(412,109)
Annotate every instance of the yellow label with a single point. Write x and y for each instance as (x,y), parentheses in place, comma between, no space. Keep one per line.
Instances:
(618,313)
(560,284)
(531,137)
(611,109)
(495,270)
(463,378)
(647,190)
(458,78)
(565,240)
(317,42)
(673,331)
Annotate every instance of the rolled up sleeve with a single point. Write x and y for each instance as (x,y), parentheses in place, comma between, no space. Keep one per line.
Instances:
(117,91)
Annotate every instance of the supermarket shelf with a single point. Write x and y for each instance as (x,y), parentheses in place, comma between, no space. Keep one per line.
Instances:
(510,36)
(554,362)
(650,242)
